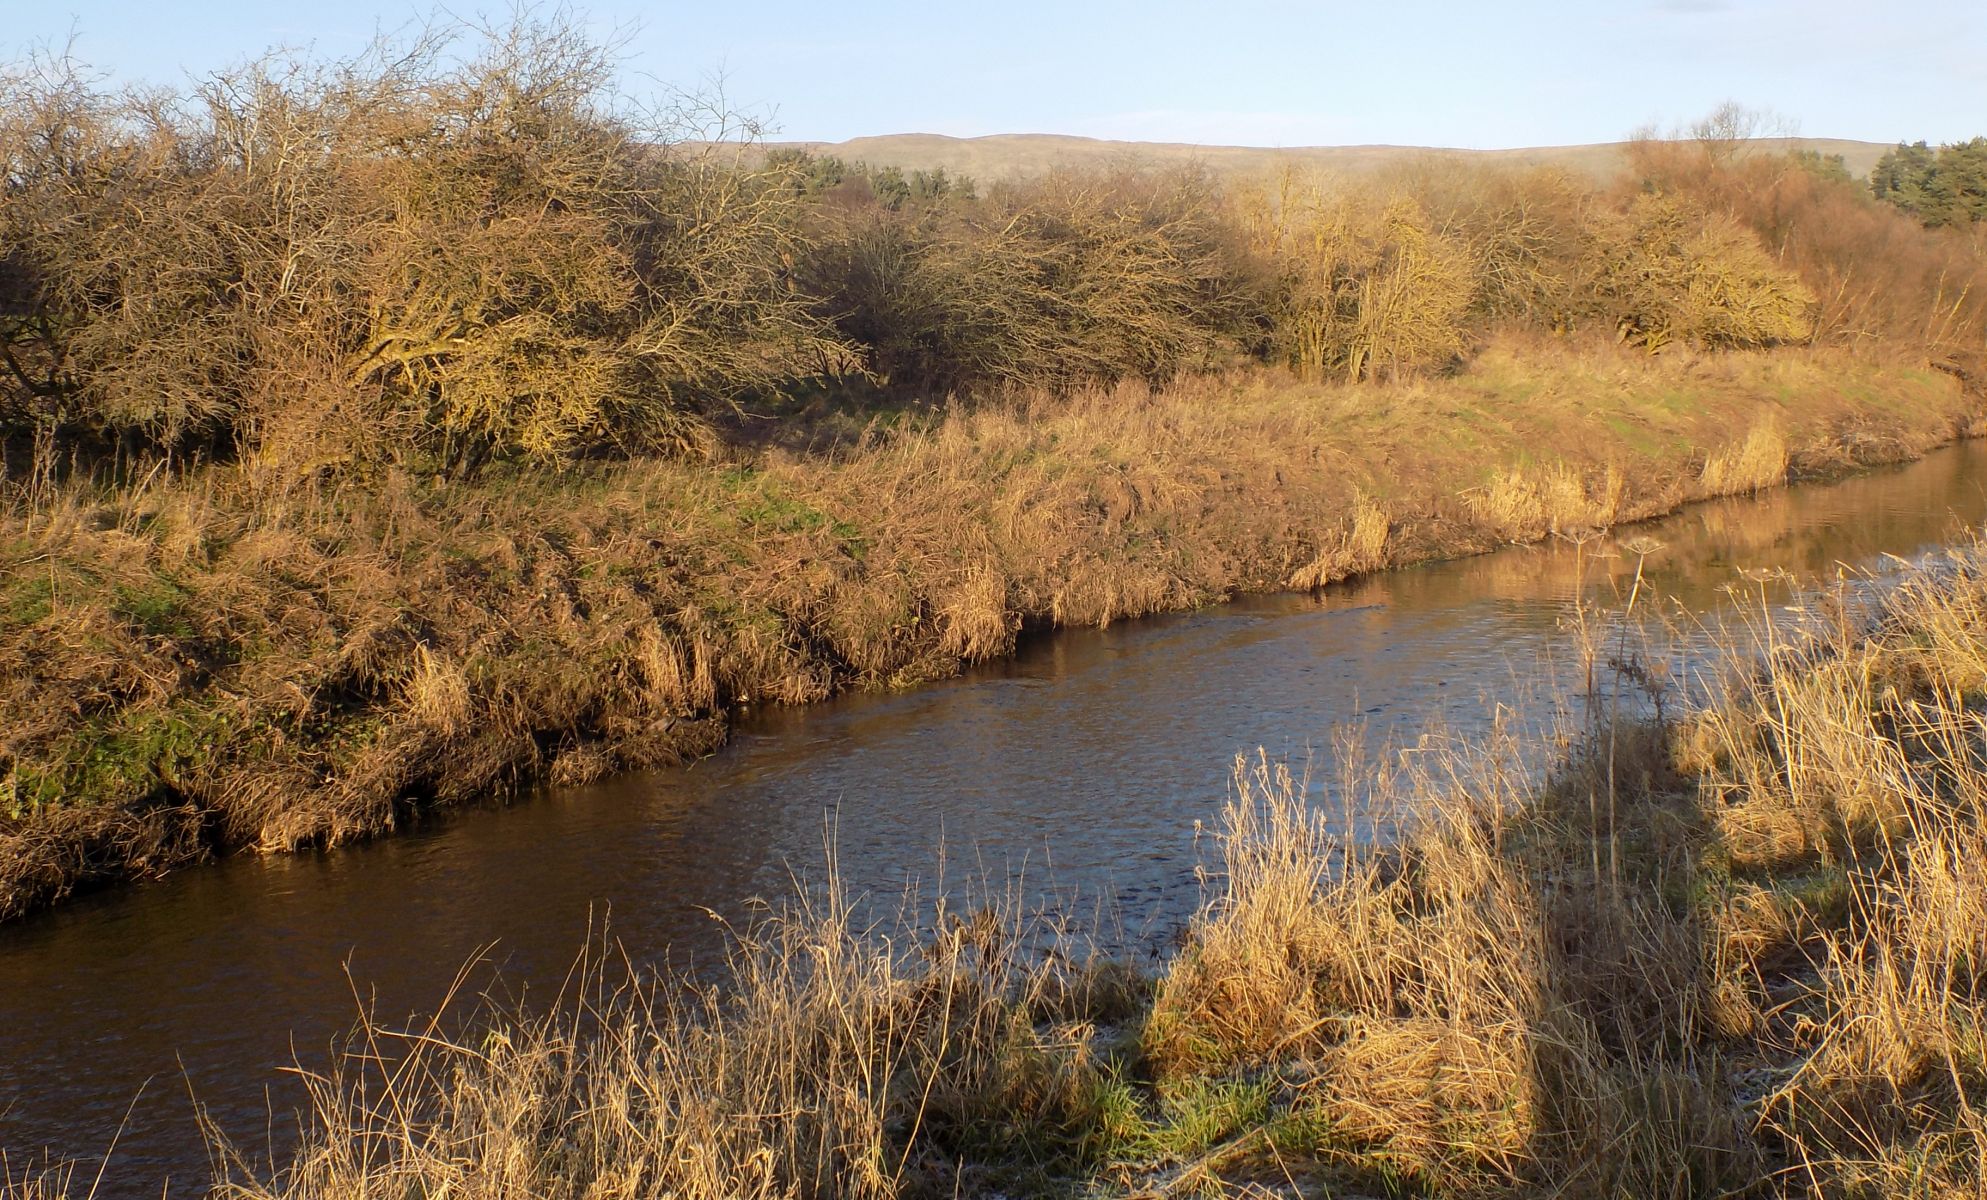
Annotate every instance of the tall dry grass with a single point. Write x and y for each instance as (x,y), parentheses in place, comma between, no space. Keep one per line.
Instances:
(1524,504)
(1395,998)
(1731,953)
(1850,763)
(825,1060)
(1497,1005)
(45,1182)
(1758,462)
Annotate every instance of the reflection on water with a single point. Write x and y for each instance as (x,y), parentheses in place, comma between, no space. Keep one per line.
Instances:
(1079,768)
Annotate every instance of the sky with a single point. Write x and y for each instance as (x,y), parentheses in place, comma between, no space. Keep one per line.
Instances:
(1484,74)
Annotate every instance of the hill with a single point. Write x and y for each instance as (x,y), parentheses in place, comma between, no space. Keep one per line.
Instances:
(1008,155)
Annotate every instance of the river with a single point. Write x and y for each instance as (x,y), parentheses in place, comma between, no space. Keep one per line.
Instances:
(1078,769)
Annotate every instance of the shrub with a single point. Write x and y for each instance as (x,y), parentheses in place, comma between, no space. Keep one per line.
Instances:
(1363,284)
(1665,274)
(1070,279)
(473,254)
(1879,276)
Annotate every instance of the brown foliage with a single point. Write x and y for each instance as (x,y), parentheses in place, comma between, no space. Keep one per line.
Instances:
(464,253)
(1663,274)
(1878,276)
(1363,283)
(1054,282)
(468,245)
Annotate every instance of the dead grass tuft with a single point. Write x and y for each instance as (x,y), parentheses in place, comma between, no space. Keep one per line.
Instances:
(1360,548)
(824,1060)
(1524,505)
(1758,462)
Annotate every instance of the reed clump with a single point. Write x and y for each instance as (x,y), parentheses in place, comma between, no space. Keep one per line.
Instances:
(47,1181)
(1525,504)
(1856,779)
(830,1060)
(1730,952)
(1760,461)
(1504,1003)
(1360,547)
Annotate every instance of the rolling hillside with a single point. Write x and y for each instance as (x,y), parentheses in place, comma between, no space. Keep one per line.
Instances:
(1014,154)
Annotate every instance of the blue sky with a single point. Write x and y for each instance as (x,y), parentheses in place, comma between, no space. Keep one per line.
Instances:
(1257,72)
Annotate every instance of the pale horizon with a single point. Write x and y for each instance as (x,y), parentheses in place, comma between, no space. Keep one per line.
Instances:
(1257,73)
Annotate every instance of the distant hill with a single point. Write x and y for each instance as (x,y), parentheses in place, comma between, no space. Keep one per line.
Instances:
(1008,155)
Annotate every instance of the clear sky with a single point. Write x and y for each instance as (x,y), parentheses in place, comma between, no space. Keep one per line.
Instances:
(1488,73)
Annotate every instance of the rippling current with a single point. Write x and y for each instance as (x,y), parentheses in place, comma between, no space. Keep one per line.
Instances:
(1080,768)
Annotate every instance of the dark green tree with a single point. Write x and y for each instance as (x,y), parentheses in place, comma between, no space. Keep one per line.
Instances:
(1947,186)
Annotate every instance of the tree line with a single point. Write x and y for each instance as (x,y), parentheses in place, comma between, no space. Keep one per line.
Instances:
(472,245)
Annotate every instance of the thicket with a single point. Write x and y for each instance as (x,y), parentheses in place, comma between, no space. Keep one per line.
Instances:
(453,253)
(472,245)
(1053,282)
(1878,277)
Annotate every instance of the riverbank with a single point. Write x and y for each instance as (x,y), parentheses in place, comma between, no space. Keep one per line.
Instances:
(1734,951)
(228,661)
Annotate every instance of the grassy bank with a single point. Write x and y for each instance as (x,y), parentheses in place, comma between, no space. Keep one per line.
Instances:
(1733,952)
(206,663)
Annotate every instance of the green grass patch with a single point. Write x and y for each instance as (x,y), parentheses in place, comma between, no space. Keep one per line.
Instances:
(121,758)
(1177,1120)
(159,607)
(27,600)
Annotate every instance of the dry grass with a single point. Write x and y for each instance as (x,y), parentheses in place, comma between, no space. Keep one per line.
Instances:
(47,1182)
(1524,505)
(1854,760)
(830,1061)
(1737,954)
(1497,1006)
(1396,996)
(1759,462)
(1360,547)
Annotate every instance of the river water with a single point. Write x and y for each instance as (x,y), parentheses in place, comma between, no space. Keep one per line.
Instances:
(1079,769)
